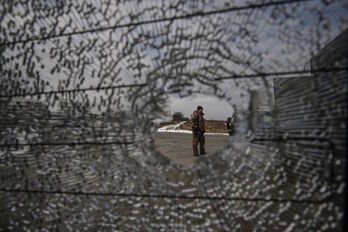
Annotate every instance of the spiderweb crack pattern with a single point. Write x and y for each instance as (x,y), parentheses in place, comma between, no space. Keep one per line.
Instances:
(83,81)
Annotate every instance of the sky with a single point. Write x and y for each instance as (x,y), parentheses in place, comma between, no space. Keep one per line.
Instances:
(282,47)
(214,108)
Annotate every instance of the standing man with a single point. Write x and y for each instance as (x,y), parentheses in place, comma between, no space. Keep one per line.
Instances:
(198,130)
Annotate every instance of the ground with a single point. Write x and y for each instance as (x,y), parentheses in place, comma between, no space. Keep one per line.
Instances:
(178,147)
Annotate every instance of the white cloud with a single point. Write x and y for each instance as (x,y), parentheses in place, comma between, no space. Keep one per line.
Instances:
(214,108)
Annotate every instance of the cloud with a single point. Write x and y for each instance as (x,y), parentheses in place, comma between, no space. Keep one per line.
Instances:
(214,108)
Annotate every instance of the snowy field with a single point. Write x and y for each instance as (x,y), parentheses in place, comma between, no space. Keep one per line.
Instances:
(175,129)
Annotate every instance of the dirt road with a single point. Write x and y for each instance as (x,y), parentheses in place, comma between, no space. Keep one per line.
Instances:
(178,147)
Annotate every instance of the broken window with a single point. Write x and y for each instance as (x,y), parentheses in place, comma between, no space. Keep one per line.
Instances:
(83,82)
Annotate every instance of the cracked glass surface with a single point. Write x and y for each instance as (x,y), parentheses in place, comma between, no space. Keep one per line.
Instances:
(83,83)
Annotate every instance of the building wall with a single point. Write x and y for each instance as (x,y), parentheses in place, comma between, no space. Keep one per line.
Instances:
(334,53)
(316,106)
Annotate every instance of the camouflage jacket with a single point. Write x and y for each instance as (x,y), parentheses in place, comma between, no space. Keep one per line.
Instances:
(197,121)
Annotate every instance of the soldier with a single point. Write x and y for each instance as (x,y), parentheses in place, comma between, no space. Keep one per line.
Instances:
(198,130)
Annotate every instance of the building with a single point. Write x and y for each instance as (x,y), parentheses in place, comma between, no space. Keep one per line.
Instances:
(313,109)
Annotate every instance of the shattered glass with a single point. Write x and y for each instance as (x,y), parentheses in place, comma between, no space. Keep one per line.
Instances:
(83,82)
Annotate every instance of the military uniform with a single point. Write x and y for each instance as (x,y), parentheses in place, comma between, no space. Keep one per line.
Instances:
(198,130)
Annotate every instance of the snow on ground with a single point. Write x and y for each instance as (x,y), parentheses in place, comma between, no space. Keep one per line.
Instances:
(175,129)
